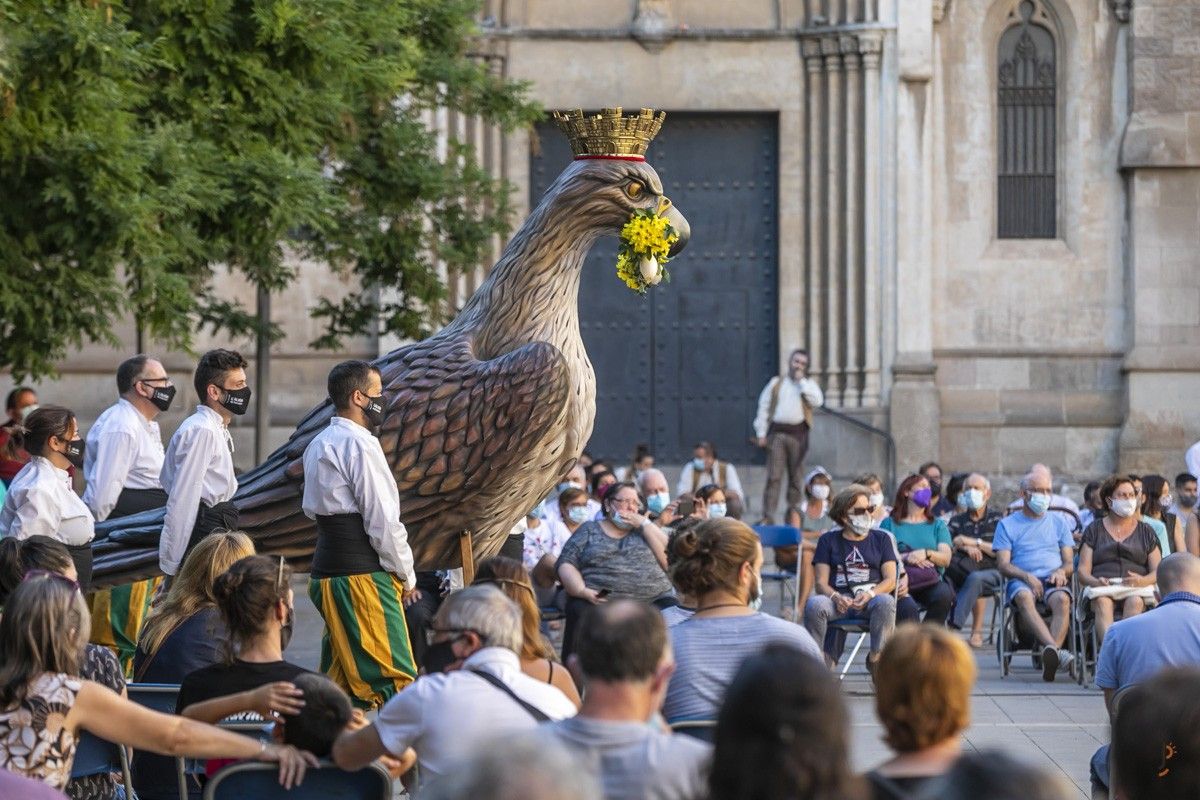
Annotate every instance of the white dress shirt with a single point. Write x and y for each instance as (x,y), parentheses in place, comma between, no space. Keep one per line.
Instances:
(346,472)
(732,482)
(1192,459)
(40,501)
(444,715)
(551,511)
(197,468)
(547,539)
(789,410)
(124,451)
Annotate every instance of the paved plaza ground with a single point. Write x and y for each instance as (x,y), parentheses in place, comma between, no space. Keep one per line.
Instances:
(1058,725)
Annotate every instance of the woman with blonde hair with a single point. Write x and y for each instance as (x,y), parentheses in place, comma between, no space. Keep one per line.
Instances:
(923,683)
(44,704)
(538,659)
(185,632)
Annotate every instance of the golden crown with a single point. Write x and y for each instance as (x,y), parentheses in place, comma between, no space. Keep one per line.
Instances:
(610,134)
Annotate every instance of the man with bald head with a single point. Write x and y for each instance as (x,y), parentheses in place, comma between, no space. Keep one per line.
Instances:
(1035,551)
(623,655)
(972,568)
(1060,503)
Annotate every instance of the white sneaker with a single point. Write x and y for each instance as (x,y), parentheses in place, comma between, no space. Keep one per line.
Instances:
(1065,659)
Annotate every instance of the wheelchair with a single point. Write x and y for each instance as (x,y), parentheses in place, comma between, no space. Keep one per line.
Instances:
(1015,637)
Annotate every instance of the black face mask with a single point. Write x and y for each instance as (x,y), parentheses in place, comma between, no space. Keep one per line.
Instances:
(162,397)
(936,488)
(439,656)
(74,452)
(373,411)
(236,400)
(285,630)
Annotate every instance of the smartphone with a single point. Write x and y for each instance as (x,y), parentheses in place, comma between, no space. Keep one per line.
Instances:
(686,507)
(603,593)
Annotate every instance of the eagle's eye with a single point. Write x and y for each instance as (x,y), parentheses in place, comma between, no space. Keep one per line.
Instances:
(634,189)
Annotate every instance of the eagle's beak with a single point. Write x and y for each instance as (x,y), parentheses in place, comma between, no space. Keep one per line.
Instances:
(678,222)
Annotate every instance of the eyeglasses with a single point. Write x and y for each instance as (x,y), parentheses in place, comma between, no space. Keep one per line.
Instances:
(431,633)
(627,503)
(57,576)
(154,380)
(863,509)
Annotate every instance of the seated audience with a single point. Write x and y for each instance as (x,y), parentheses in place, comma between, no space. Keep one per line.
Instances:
(1092,510)
(1156,737)
(601,482)
(622,555)
(1060,504)
(653,486)
(924,543)
(1118,557)
(972,567)
(855,567)
(706,468)
(718,562)
(44,702)
(1035,551)
(576,479)
(255,599)
(1156,505)
(686,607)
(812,518)
(713,500)
(326,713)
(642,460)
(923,687)
(471,691)
(538,659)
(624,658)
(544,543)
(995,775)
(523,767)
(20,403)
(19,558)
(939,506)
(783,732)
(1186,494)
(1138,648)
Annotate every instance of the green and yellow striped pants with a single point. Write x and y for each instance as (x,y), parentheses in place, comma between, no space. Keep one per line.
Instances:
(365,648)
(118,615)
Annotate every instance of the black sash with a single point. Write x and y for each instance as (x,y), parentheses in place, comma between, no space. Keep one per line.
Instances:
(81,555)
(135,501)
(221,517)
(343,547)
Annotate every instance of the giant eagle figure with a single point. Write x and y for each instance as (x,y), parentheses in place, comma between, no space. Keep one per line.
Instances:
(486,415)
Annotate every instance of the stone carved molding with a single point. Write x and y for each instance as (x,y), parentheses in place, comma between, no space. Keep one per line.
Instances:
(939,10)
(1122,9)
(870,47)
(653,24)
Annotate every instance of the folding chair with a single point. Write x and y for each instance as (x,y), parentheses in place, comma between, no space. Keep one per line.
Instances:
(783,536)
(1014,638)
(96,756)
(161,697)
(327,782)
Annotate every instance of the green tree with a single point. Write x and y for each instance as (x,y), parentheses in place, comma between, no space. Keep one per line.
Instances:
(145,145)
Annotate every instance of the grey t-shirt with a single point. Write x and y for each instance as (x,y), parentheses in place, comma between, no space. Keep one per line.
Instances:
(626,566)
(708,652)
(633,760)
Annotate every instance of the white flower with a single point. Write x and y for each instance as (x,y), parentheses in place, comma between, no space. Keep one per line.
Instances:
(651,273)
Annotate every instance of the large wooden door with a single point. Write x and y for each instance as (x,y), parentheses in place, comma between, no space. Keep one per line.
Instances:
(688,361)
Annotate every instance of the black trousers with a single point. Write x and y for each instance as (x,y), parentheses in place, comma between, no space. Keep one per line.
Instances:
(135,501)
(81,556)
(577,607)
(221,517)
(419,616)
(936,600)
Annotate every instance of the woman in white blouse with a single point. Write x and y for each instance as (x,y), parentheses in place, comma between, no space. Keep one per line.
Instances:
(40,499)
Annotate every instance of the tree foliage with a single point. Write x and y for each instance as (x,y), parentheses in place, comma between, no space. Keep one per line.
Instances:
(146,145)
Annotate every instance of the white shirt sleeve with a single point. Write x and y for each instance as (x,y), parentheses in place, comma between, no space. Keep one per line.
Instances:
(114,458)
(37,514)
(375,492)
(812,393)
(685,480)
(192,457)
(761,423)
(400,722)
(732,483)
(1192,459)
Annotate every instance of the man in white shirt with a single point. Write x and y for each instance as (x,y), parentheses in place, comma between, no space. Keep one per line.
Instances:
(625,656)
(1192,459)
(704,469)
(124,454)
(781,425)
(445,715)
(197,472)
(362,574)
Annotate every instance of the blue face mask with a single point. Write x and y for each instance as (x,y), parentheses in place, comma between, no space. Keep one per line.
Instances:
(657,502)
(716,510)
(698,464)
(615,518)
(1038,503)
(578,514)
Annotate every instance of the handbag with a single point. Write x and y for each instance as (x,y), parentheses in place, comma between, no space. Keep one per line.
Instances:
(919,577)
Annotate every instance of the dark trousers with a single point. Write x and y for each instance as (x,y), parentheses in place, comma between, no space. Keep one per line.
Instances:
(935,600)
(419,616)
(577,607)
(81,556)
(785,457)
(135,501)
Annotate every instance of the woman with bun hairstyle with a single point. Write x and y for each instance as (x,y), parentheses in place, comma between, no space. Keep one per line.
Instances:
(40,500)
(717,562)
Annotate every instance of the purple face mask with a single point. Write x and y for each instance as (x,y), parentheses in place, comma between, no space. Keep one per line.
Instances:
(922,497)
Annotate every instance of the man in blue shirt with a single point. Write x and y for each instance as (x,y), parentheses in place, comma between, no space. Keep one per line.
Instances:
(1137,649)
(1035,551)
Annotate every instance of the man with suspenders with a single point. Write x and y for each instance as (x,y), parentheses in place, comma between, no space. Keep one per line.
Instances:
(782,425)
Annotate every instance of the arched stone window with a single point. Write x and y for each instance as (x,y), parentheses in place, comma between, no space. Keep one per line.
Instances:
(1026,111)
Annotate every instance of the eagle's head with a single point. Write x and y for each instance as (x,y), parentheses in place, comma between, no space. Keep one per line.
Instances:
(604,193)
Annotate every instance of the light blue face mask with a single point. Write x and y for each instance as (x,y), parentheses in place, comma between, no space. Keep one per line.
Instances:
(698,464)
(1039,502)
(972,499)
(657,502)
(716,510)
(578,514)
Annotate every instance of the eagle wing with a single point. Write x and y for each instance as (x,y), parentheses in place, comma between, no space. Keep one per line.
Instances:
(457,433)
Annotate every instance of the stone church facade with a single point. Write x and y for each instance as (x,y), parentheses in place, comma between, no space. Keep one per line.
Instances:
(983,218)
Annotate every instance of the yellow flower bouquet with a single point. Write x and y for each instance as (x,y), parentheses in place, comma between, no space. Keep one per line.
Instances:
(645,242)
